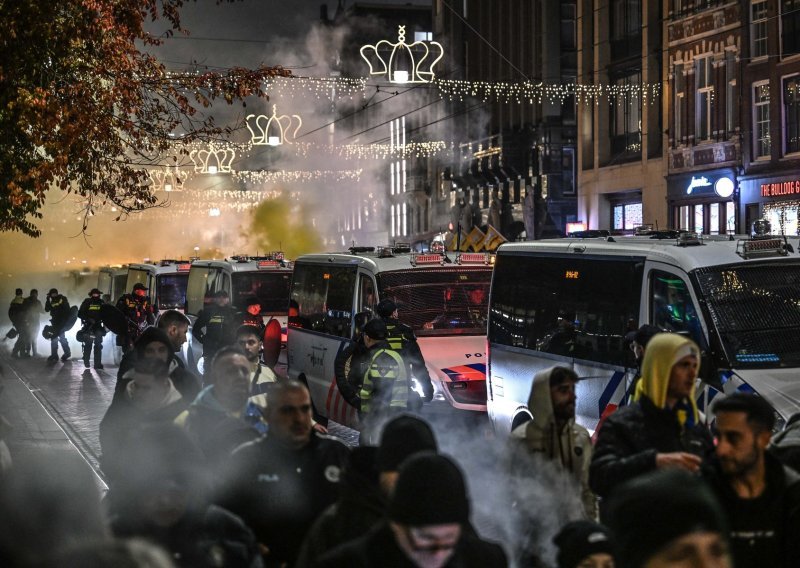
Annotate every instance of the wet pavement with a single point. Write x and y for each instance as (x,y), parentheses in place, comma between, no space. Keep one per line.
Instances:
(59,406)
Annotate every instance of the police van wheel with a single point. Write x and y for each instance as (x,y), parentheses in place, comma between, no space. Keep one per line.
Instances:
(521,418)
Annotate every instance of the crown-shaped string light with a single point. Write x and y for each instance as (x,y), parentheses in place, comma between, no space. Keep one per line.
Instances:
(406,63)
(168,178)
(272,130)
(213,160)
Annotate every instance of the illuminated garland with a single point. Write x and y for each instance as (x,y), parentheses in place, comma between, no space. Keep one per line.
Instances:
(374,151)
(530,93)
(321,87)
(283,176)
(501,92)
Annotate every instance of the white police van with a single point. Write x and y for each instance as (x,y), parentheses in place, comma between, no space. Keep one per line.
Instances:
(268,278)
(165,281)
(443,298)
(572,301)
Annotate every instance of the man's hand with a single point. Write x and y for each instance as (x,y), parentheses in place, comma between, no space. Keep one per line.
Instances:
(683,460)
(319,428)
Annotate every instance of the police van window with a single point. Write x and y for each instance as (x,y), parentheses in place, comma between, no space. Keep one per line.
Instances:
(366,294)
(136,277)
(203,282)
(574,307)
(672,307)
(324,296)
(271,289)
(172,291)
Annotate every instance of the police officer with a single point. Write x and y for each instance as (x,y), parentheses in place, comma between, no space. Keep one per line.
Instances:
(401,338)
(252,314)
(215,324)
(93,329)
(58,306)
(139,310)
(386,386)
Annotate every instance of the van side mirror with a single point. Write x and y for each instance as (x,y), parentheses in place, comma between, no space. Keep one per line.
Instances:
(708,372)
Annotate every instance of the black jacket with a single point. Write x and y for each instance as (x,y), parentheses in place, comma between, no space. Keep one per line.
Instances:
(631,437)
(351,356)
(184,380)
(215,326)
(280,491)
(378,549)
(203,539)
(59,310)
(89,312)
(360,507)
(764,531)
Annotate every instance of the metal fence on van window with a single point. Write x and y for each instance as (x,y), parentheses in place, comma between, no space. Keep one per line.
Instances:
(756,311)
(429,301)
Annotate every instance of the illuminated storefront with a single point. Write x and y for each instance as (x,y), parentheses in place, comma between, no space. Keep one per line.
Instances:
(775,199)
(703,202)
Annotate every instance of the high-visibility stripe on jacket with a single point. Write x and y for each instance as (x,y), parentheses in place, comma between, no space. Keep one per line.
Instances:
(395,337)
(386,380)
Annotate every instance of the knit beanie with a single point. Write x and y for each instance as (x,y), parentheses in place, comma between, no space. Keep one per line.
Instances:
(430,490)
(402,437)
(386,308)
(650,511)
(375,329)
(578,540)
(150,335)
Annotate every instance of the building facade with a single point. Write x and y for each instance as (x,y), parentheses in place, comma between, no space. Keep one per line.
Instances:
(620,163)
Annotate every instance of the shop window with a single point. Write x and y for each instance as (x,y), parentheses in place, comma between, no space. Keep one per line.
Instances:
(713,219)
(790,27)
(783,219)
(758,28)
(730,217)
(704,79)
(626,216)
(791,114)
(762,143)
(683,217)
(699,225)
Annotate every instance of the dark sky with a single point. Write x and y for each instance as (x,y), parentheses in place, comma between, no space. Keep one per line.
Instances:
(249,33)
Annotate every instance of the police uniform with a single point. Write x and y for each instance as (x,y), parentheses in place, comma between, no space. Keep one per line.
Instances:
(139,312)
(58,306)
(92,332)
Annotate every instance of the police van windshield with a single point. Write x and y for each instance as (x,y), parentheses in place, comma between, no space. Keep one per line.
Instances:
(756,310)
(172,291)
(440,302)
(271,288)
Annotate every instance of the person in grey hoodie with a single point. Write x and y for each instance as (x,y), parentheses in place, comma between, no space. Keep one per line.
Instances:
(552,432)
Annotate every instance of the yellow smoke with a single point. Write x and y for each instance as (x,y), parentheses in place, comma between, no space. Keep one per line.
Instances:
(284,224)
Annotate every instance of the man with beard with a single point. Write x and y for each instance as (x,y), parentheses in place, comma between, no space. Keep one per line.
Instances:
(552,432)
(248,338)
(760,496)
(281,483)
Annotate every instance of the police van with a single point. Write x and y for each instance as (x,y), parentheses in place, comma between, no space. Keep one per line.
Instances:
(165,281)
(268,278)
(572,301)
(443,298)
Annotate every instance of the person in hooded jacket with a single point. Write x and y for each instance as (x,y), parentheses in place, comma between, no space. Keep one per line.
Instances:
(164,498)
(553,433)
(58,307)
(16,313)
(223,416)
(149,398)
(785,445)
(661,428)
(155,343)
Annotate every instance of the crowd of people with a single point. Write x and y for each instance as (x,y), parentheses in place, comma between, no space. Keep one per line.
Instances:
(231,469)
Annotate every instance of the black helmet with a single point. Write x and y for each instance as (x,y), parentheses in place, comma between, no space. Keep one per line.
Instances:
(139,286)
(52,291)
(94,291)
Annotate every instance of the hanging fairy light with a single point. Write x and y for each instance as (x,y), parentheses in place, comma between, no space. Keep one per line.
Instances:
(272,130)
(402,62)
(283,176)
(374,151)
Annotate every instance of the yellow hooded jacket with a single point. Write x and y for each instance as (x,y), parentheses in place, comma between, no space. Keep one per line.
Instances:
(659,358)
